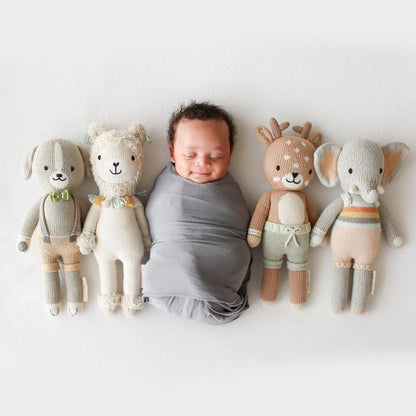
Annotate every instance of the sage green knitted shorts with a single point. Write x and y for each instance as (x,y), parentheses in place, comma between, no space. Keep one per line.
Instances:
(290,241)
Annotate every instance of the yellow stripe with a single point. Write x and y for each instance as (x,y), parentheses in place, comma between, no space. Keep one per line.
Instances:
(360,214)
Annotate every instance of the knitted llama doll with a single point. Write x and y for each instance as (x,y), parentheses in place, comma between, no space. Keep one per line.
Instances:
(59,167)
(358,215)
(283,217)
(116,227)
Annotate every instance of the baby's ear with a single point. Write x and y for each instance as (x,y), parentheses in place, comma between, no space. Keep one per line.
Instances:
(27,163)
(138,131)
(86,158)
(95,130)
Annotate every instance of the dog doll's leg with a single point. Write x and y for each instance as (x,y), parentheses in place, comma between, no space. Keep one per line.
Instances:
(52,291)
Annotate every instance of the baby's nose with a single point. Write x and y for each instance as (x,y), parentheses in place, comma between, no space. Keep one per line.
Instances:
(204,161)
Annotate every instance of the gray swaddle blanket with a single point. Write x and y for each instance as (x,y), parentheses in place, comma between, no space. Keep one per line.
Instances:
(199,261)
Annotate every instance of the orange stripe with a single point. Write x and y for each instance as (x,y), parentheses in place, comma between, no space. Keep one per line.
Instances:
(360,209)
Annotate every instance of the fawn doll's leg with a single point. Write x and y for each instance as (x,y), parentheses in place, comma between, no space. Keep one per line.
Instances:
(360,290)
(131,301)
(270,285)
(298,283)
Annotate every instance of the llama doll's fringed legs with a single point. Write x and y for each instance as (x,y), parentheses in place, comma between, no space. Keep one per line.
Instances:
(131,301)
(360,290)
(340,288)
(270,286)
(109,300)
(298,283)
(52,291)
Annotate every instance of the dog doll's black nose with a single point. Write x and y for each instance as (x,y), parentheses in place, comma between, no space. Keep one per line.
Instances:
(59,175)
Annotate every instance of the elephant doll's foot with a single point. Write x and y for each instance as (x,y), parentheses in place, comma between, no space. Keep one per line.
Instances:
(53,308)
(74,308)
(360,290)
(340,289)
(109,303)
(131,304)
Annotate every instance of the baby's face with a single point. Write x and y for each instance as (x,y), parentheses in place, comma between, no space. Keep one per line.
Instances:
(201,150)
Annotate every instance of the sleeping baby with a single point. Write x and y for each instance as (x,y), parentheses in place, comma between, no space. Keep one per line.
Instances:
(199,261)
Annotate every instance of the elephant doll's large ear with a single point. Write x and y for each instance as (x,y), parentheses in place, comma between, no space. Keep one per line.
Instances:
(395,154)
(325,161)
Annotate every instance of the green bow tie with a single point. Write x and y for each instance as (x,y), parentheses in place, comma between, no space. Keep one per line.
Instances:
(56,196)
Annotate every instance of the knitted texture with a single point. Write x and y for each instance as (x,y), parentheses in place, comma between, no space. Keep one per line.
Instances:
(283,216)
(59,167)
(116,224)
(361,167)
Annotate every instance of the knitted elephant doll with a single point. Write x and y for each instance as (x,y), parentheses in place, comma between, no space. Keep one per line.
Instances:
(59,167)
(116,227)
(283,216)
(358,216)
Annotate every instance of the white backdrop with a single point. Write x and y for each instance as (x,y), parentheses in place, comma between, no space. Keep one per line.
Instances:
(349,70)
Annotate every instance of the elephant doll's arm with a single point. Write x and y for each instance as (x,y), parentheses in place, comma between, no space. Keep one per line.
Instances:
(87,239)
(258,219)
(144,227)
(389,227)
(28,227)
(325,221)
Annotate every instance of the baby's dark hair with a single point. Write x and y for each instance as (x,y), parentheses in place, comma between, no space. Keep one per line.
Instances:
(200,111)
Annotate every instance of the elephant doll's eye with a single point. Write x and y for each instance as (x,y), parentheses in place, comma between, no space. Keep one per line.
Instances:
(99,157)
(381,170)
(349,170)
(132,158)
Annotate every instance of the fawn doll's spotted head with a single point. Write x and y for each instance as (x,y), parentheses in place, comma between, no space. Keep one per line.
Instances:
(288,161)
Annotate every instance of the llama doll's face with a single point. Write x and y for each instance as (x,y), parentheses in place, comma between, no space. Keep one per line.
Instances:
(288,163)
(116,164)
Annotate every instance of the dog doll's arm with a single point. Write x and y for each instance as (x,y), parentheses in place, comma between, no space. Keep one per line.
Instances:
(28,227)
(258,219)
(87,239)
(389,227)
(325,221)
(144,227)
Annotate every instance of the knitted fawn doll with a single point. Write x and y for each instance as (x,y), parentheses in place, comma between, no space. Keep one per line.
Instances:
(283,217)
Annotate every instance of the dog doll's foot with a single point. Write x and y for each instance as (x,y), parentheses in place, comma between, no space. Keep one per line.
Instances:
(131,305)
(74,308)
(109,303)
(53,308)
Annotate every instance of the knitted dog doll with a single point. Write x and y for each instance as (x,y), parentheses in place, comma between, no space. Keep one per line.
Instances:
(116,227)
(283,216)
(358,215)
(59,167)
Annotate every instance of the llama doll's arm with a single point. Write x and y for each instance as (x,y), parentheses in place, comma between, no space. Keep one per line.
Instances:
(144,227)
(258,219)
(87,239)
(325,221)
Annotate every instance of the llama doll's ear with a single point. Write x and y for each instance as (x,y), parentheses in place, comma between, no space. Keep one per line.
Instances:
(325,162)
(139,132)
(95,130)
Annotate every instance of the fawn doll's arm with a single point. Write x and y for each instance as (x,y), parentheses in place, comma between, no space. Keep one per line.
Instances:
(326,219)
(311,210)
(258,219)
(144,227)
(28,227)
(389,227)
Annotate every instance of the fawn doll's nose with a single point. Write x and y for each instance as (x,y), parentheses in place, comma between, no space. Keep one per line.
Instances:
(294,174)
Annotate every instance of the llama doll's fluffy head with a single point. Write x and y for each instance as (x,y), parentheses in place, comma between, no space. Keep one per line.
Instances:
(117,158)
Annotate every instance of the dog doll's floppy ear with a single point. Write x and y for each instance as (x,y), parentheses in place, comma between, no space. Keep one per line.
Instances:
(325,161)
(395,154)
(86,158)
(27,163)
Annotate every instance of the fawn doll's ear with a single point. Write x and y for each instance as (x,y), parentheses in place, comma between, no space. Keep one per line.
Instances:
(395,154)
(325,162)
